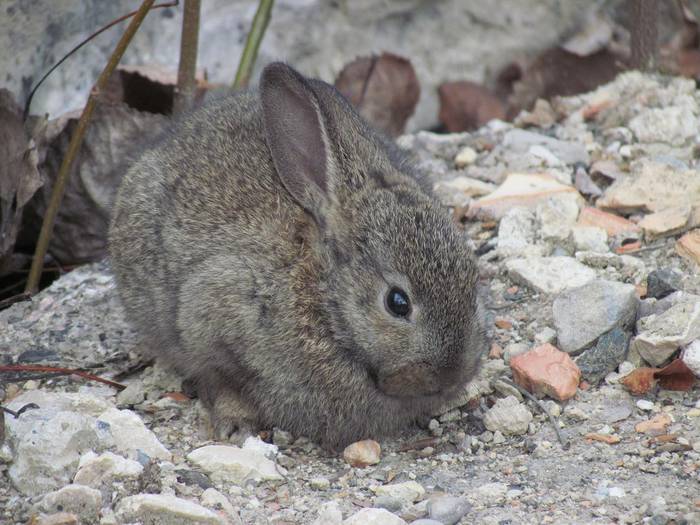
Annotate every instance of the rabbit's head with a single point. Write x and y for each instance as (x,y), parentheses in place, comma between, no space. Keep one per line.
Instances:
(398,281)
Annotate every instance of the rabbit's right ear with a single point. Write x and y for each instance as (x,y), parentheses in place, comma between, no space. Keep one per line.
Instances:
(296,135)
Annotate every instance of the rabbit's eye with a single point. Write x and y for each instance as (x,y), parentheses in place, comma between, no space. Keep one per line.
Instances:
(397,302)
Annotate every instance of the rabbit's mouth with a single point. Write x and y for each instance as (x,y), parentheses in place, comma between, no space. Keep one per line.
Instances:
(414,380)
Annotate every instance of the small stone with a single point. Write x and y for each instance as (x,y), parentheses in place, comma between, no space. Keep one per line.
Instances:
(498,438)
(688,246)
(362,453)
(282,438)
(372,516)
(84,502)
(465,157)
(320,483)
(59,518)
(521,189)
(691,357)
(557,216)
(491,493)
(517,233)
(330,514)
(546,370)
(590,239)
(452,415)
(583,314)
(508,416)
(662,283)
(133,394)
(614,225)
(514,349)
(671,125)
(131,435)
(461,190)
(231,464)
(643,404)
(660,336)
(447,510)
(550,275)
(656,425)
(163,508)
(546,335)
(215,500)
(256,444)
(666,222)
(406,492)
(605,356)
(193,478)
(104,470)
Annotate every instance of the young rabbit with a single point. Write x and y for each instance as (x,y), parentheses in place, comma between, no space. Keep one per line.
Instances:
(286,258)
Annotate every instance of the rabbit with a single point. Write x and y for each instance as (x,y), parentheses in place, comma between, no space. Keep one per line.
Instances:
(292,264)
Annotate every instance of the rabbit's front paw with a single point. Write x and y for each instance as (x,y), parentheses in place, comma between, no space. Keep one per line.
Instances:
(231,419)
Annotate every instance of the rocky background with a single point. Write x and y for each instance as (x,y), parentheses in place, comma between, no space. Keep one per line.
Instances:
(585,215)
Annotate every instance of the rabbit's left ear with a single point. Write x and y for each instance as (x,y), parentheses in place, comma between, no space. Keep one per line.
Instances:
(296,135)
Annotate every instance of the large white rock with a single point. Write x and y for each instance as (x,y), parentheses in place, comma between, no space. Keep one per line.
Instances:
(106,469)
(508,416)
(691,357)
(131,435)
(550,274)
(374,517)
(82,501)
(673,125)
(231,464)
(406,492)
(163,509)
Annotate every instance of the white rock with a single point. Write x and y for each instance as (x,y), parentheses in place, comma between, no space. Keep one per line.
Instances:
(106,469)
(407,492)
(131,435)
(256,444)
(330,514)
(491,493)
(659,336)
(691,357)
(320,483)
(508,416)
(231,464)
(163,509)
(517,233)
(645,405)
(82,501)
(374,517)
(465,157)
(215,500)
(590,239)
(557,216)
(671,125)
(550,274)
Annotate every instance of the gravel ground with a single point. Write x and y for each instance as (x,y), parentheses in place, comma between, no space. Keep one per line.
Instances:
(90,455)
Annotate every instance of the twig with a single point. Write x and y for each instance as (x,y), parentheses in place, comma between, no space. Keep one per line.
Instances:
(28,406)
(14,299)
(60,370)
(419,444)
(645,34)
(650,248)
(74,146)
(252,43)
(186,82)
(28,103)
(564,444)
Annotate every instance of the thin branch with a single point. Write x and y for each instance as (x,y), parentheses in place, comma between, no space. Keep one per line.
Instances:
(76,140)
(564,443)
(14,299)
(24,408)
(645,34)
(186,82)
(60,370)
(28,103)
(252,43)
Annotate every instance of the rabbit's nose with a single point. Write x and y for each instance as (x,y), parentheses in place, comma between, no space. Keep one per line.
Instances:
(416,379)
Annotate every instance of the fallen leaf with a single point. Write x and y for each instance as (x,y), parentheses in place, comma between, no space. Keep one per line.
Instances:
(467,106)
(177,396)
(640,380)
(656,424)
(384,88)
(675,376)
(610,439)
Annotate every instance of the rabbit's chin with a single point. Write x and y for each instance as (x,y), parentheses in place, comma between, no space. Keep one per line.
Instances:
(423,381)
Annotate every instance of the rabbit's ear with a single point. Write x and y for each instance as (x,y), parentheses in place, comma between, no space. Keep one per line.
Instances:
(296,136)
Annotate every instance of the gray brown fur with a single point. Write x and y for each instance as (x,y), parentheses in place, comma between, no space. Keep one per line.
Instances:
(253,247)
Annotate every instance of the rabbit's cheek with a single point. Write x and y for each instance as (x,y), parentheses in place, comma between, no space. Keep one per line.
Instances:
(417,379)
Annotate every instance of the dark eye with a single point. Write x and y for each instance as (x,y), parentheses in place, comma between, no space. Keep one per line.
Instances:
(397,302)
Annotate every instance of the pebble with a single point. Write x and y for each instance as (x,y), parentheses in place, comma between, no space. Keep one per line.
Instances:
(508,416)
(556,217)
(131,435)
(691,357)
(255,444)
(517,233)
(215,500)
(362,453)
(320,483)
(546,335)
(106,469)
(583,314)
(545,370)
(465,157)
(605,356)
(164,509)
(447,510)
(643,404)
(491,493)
(371,516)
(662,282)
(549,275)
(230,464)
(82,501)
(590,239)
(329,514)
(406,492)
(133,394)
(282,438)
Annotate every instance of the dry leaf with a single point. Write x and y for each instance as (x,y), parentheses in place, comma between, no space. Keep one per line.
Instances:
(610,439)
(675,376)
(656,425)
(384,88)
(466,106)
(640,380)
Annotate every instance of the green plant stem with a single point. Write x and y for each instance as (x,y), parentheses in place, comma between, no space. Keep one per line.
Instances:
(186,83)
(252,43)
(76,140)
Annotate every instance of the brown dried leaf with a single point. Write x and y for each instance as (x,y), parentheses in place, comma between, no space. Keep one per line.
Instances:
(675,376)
(466,106)
(384,88)
(19,177)
(640,380)
(610,439)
